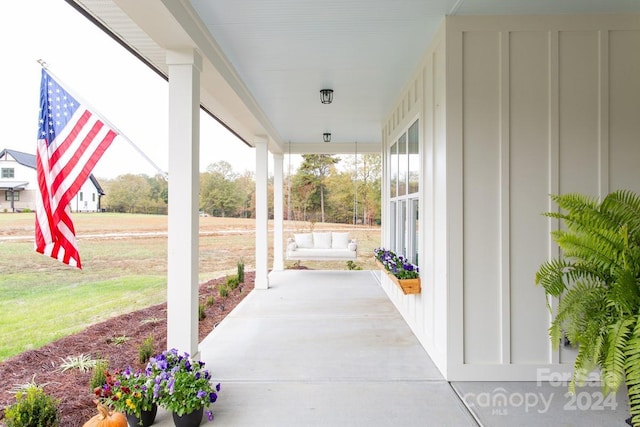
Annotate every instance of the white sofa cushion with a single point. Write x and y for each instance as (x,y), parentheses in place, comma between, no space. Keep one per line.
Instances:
(322,240)
(339,240)
(321,254)
(304,240)
(353,246)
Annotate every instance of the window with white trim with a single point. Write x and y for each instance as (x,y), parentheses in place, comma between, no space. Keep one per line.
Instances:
(404,186)
(8,195)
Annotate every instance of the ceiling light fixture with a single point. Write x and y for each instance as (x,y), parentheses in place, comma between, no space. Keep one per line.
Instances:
(326,137)
(326,96)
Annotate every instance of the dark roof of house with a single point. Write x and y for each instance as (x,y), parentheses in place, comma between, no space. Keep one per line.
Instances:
(23,158)
(29,160)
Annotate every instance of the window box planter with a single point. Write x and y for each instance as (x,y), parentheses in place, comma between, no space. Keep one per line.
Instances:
(408,286)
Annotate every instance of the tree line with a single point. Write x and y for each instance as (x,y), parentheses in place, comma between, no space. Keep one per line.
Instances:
(318,191)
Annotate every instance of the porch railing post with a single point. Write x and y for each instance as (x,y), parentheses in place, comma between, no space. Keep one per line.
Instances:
(262,214)
(182,246)
(278,212)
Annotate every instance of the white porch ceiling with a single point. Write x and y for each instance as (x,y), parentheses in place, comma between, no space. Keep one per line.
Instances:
(266,60)
(286,51)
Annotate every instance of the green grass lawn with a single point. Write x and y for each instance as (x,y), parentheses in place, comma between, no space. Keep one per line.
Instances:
(32,316)
(42,299)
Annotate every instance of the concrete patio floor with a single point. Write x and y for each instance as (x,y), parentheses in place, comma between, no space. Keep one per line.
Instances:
(328,348)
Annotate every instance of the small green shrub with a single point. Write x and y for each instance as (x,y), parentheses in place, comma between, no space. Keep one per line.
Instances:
(83,362)
(201,313)
(233,282)
(150,320)
(223,291)
(146,350)
(241,271)
(33,407)
(119,340)
(351,265)
(99,377)
(210,301)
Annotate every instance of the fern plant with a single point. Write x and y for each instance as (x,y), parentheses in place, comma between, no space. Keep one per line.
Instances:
(598,279)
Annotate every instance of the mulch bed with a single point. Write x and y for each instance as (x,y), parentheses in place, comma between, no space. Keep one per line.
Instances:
(72,386)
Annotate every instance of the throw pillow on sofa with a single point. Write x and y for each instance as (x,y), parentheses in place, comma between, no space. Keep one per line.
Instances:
(304,240)
(339,240)
(322,240)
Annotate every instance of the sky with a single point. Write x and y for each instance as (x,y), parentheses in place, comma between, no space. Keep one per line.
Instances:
(100,72)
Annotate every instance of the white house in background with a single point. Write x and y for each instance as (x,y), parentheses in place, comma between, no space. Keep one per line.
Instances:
(18,185)
(481,109)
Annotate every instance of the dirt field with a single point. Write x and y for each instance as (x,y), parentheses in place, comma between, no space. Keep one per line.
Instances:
(222,240)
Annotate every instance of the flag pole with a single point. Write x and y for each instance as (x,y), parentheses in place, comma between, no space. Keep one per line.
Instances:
(164,174)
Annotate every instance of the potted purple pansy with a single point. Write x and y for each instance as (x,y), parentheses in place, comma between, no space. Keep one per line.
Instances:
(182,386)
(129,393)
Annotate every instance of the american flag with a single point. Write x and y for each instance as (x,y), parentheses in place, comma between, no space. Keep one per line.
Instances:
(71,140)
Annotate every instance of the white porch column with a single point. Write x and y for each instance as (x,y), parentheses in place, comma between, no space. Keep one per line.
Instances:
(182,263)
(262,214)
(278,214)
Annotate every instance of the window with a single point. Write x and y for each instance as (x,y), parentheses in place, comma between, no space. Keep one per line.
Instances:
(393,226)
(415,230)
(8,173)
(402,228)
(414,159)
(16,196)
(393,170)
(403,165)
(404,176)
(80,195)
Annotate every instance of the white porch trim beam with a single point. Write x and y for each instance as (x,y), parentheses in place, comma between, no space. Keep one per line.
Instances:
(336,148)
(182,247)
(262,213)
(278,212)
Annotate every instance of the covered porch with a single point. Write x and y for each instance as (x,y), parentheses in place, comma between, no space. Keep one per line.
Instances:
(480,110)
(328,348)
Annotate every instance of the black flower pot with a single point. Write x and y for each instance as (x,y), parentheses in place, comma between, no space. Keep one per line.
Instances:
(191,419)
(146,417)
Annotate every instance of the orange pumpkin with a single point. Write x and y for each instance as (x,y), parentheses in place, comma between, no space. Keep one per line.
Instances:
(106,418)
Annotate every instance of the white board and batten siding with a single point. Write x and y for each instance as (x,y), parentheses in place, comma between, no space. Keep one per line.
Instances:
(511,109)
